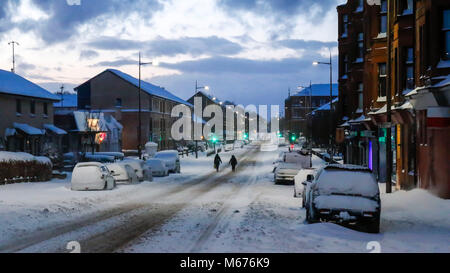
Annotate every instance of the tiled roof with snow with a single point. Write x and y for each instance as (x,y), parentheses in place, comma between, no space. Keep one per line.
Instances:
(319,90)
(68,100)
(11,83)
(149,88)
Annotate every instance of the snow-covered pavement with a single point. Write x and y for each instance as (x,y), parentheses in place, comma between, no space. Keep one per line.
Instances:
(201,211)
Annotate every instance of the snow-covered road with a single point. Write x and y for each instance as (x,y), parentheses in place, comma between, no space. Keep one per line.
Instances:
(202,211)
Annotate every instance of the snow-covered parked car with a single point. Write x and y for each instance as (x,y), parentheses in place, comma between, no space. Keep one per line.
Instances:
(171,159)
(143,171)
(286,172)
(123,173)
(345,194)
(302,181)
(158,167)
(92,176)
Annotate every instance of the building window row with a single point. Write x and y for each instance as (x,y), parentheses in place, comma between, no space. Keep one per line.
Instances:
(32,107)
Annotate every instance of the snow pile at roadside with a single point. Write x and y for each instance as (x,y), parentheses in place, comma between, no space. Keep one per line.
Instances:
(416,206)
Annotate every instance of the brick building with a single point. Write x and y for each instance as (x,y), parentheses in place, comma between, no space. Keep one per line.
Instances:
(26,117)
(417,76)
(115,93)
(299,105)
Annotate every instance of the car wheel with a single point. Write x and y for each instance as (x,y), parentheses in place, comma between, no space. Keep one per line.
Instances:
(374,226)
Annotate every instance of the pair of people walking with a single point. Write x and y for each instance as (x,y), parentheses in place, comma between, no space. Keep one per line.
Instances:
(233,162)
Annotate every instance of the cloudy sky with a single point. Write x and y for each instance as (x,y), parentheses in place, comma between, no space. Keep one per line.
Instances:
(248,51)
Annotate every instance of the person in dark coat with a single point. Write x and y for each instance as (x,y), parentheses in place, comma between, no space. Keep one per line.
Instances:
(217,162)
(233,163)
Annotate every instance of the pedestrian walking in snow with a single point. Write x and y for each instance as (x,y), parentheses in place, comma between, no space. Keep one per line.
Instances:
(217,162)
(233,162)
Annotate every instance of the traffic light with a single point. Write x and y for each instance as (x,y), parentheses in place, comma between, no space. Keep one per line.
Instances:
(245,136)
(292,137)
(214,139)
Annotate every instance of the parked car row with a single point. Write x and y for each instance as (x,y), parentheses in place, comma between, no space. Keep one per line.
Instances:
(105,176)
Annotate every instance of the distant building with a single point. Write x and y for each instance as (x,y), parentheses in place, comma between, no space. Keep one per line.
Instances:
(115,93)
(26,117)
(298,105)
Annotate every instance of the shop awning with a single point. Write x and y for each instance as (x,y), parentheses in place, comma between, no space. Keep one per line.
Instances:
(52,128)
(27,129)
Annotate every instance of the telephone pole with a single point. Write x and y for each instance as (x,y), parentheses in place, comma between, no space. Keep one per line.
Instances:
(13,43)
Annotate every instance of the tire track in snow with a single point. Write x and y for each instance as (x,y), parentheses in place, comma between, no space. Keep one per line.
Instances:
(134,225)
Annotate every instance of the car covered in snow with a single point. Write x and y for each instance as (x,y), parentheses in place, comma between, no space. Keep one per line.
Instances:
(302,181)
(123,173)
(92,176)
(157,166)
(171,159)
(345,194)
(143,171)
(286,172)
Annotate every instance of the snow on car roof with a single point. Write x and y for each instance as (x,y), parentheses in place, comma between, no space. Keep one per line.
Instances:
(11,83)
(348,167)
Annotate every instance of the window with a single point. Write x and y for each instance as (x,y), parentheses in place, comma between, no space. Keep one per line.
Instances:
(161,107)
(360,96)
(345,64)
(18,106)
(409,68)
(345,25)
(150,104)
(45,108)
(405,7)
(382,80)
(383,17)
(360,46)
(446,33)
(118,102)
(360,6)
(33,107)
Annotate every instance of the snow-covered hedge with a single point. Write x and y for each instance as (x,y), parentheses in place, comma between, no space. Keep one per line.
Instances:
(23,167)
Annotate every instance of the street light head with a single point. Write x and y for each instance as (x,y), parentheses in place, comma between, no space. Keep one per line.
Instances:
(315,63)
(155,63)
(207,88)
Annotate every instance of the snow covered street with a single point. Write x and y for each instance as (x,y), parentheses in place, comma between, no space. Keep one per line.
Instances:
(202,211)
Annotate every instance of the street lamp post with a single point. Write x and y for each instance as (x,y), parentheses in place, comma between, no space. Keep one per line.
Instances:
(310,130)
(197,88)
(13,43)
(330,64)
(140,108)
